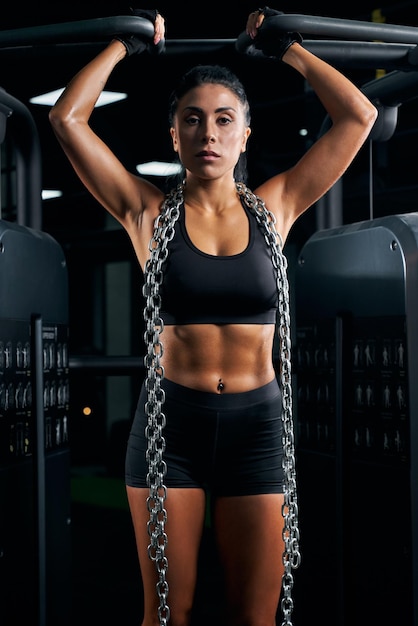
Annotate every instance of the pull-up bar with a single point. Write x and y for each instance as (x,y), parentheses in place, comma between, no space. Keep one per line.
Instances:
(343,29)
(355,43)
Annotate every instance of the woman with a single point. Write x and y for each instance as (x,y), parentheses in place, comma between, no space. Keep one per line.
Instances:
(213,360)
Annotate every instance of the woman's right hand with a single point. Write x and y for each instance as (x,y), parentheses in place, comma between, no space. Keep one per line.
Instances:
(254,21)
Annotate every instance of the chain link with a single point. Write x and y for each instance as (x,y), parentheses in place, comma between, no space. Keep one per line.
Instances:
(154,325)
(153,277)
(291,554)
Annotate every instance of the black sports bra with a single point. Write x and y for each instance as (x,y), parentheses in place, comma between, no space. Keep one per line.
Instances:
(200,288)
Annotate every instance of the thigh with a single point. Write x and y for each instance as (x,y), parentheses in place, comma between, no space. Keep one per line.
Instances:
(249,532)
(185,518)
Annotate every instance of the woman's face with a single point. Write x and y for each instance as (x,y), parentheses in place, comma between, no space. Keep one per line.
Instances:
(209,131)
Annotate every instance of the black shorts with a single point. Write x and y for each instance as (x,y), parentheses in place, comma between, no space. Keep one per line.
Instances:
(228,444)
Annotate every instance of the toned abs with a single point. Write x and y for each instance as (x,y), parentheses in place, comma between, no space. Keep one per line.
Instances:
(219,358)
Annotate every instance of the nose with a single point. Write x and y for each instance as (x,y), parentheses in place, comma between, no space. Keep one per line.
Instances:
(208,136)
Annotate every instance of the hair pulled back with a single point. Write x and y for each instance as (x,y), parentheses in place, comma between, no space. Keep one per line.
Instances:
(215,75)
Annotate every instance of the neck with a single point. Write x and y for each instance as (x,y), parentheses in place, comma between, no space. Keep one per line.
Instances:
(210,195)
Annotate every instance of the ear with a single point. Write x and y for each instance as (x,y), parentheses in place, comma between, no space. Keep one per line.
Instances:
(245,139)
(174,139)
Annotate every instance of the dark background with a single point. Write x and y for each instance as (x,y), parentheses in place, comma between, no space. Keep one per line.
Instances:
(105,577)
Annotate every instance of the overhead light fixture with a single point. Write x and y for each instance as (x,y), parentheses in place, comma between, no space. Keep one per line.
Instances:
(48,194)
(106,97)
(158,168)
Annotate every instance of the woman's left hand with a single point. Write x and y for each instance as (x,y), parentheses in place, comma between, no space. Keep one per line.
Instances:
(159,28)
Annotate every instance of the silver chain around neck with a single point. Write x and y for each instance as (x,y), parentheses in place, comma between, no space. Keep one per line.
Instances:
(153,277)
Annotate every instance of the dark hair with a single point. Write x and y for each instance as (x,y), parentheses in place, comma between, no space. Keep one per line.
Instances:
(215,75)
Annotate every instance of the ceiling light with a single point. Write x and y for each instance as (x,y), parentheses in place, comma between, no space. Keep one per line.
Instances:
(48,194)
(106,97)
(158,168)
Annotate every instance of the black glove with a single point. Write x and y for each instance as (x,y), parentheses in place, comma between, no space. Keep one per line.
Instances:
(135,44)
(274,46)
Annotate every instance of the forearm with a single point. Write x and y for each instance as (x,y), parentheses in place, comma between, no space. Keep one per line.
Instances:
(339,96)
(80,96)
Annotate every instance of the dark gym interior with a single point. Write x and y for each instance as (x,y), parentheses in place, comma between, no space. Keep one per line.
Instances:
(71,326)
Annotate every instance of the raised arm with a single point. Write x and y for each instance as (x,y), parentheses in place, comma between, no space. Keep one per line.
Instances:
(122,193)
(290,193)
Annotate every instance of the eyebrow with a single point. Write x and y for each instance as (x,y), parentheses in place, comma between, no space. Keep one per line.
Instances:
(218,110)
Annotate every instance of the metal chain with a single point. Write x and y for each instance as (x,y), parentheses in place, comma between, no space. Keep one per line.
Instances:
(291,555)
(154,325)
(153,277)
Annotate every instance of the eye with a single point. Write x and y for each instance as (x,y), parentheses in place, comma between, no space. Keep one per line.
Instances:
(192,120)
(224,120)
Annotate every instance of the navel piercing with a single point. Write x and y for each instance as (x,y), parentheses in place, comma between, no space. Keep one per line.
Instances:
(220,386)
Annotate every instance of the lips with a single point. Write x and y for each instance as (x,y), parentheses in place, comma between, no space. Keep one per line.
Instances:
(208,154)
